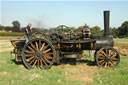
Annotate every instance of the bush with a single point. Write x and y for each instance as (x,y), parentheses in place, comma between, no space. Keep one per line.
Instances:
(11,33)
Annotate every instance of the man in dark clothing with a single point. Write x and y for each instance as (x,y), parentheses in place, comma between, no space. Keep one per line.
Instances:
(27,32)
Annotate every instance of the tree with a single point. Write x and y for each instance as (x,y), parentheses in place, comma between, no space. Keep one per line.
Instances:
(16,26)
(96,30)
(115,32)
(124,29)
(1,27)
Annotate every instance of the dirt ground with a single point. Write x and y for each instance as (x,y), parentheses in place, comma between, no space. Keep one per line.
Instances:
(5,45)
(83,71)
(80,72)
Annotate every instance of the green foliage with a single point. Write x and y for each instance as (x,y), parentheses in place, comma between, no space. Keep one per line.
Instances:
(16,24)
(121,31)
(11,33)
(1,27)
(124,29)
(115,32)
(96,30)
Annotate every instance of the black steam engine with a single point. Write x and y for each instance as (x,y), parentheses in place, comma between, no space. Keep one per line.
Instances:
(44,49)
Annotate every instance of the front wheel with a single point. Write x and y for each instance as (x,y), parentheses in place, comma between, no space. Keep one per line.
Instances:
(107,57)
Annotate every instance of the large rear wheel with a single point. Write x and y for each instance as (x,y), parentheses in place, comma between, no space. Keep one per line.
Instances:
(38,53)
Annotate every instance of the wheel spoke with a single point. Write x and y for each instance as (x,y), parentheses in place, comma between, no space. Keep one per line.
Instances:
(27,51)
(34,63)
(45,47)
(49,53)
(109,52)
(37,46)
(33,46)
(48,57)
(101,61)
(29,58)
(114,58)
(111,63)
(102,52)
(47,50)
(29,55)
(31,49)
(106,64)
(38,63)
(41,63)
(101,57)
(42,46)
(44,61)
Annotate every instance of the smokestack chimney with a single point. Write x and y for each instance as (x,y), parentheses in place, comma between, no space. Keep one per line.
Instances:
(106,23)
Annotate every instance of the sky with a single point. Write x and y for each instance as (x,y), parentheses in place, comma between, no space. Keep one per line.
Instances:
(73,13)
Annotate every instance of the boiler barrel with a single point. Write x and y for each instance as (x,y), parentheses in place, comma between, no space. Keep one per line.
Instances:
(102,41)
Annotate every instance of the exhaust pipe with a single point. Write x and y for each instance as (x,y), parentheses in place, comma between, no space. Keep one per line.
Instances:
(106,23)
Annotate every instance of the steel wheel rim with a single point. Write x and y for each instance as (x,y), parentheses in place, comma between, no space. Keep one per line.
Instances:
(107,57)
(38,53)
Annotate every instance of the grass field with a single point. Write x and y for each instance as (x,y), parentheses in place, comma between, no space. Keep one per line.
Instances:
(123,40)
(11,33)
(83,73)
(118,76)
(12,74)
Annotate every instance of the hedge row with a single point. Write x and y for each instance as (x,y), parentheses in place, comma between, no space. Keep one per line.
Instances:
(11,33)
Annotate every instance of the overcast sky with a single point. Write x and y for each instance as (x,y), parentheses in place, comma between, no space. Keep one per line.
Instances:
(53,13)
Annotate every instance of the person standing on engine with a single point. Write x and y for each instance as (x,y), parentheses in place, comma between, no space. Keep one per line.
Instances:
(27,32)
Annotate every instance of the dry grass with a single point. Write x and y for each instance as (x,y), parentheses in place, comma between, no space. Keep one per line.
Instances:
(10,37)
(80,72)
(122,48)
(5,45)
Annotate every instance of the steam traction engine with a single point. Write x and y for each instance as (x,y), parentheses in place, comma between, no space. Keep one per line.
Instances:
(45,49)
